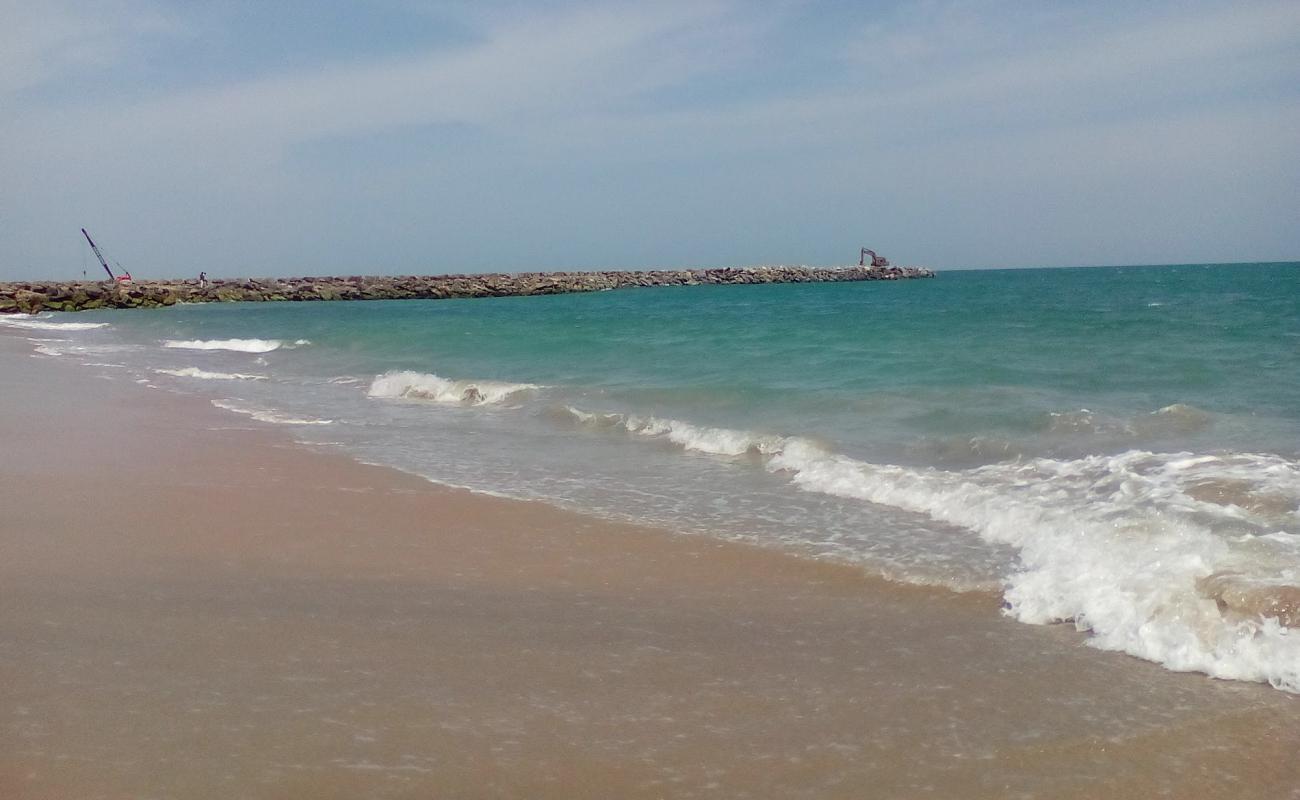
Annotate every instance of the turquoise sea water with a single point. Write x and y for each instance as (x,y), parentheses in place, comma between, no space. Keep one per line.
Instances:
(1119,446)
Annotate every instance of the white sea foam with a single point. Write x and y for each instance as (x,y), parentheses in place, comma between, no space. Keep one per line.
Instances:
(237,345)
(409,385)
(263,415)
(46,325)
(698,438)
(195,372)
(1116,544)
(65,347)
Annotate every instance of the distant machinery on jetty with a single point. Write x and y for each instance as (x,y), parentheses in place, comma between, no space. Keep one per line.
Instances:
(30,297)
(876,261)
(125,277)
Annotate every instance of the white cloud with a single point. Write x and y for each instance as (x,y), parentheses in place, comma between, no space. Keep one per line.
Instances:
(544,66)
(1073,55)
(43,41)
(991,115)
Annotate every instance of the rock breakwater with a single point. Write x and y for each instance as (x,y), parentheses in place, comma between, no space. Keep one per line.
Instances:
(30,297)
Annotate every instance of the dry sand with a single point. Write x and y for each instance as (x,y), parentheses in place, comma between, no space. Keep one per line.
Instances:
(194,608)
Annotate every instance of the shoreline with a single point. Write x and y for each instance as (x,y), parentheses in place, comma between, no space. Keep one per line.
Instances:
(224,612)
(32,297)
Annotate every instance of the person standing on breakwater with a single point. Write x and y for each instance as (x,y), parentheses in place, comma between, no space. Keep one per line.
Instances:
(203,280)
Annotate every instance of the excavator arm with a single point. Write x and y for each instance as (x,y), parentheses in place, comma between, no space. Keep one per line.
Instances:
(876,261)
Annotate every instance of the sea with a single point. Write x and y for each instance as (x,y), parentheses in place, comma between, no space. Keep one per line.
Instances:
(1116,448)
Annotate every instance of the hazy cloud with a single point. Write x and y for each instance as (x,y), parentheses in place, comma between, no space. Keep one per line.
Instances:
(590,134)
(43,41)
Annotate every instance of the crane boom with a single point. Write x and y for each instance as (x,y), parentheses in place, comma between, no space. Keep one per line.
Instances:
(99,255)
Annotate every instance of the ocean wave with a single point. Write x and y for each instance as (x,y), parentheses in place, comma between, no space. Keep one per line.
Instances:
(46,325)
(65,347)
(263,415)
(1178,418)
(1254,596)
(697,438)
(1115,544)
(1119,545)
(1083,421)
(237,345)
(410,385)
(1174,419)
(195,372)
(964,450)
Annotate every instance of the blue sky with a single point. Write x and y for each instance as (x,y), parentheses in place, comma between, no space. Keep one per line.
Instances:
(254,138)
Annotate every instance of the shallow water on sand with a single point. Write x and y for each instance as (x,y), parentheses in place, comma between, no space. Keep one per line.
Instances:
(219,613)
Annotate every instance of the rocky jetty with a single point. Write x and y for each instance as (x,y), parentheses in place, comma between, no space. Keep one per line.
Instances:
(31,297)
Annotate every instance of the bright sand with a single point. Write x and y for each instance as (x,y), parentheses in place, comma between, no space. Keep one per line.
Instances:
(191,608)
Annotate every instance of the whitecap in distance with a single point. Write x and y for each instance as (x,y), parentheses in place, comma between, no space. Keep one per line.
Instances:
(235,345)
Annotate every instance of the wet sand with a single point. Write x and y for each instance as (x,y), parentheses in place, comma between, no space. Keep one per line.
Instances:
(192,606)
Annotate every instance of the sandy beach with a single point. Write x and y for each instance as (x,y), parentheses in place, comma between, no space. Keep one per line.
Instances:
(194,606)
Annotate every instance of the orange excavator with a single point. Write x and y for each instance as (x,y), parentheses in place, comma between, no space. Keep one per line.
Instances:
(876,261)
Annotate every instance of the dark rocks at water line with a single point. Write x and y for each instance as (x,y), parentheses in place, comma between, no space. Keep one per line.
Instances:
(31,297)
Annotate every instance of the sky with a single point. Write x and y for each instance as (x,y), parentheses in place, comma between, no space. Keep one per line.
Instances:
(394,136)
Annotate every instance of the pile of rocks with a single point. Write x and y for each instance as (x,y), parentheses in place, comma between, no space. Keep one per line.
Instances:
(33,296)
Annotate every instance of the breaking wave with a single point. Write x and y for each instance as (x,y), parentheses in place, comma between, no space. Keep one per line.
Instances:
(699,438)
(237,345)
(46,325)
(262,415)
(410,385)
(202,374)
(65,347)
(1179,558)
